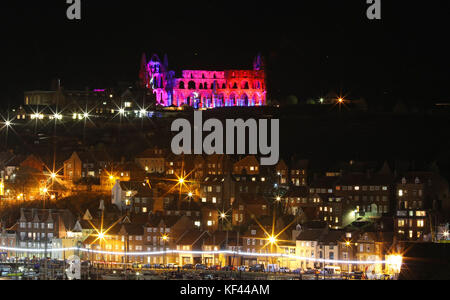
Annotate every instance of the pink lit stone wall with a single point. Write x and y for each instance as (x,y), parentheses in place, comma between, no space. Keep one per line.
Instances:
(207,89)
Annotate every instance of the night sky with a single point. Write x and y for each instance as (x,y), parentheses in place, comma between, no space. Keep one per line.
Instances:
(311,47)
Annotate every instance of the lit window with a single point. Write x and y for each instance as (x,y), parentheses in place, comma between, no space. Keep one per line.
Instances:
(421,214)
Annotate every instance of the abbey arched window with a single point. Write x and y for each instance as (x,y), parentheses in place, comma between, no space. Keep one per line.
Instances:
(245,86)
(224,86)
(182,85)
(232,100)
(201,86)
(191,85)
(235,86)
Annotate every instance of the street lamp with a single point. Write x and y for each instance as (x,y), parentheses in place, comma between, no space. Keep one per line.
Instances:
(165,238)
(272,241)
(348,244)
(395,262)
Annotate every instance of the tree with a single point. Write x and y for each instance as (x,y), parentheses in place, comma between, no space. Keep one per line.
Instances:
(26,180)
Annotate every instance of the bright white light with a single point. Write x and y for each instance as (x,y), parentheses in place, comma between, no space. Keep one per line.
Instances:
(8,123)
(122,111)
(86,115)
(272,240)
(58,116)
(236,253)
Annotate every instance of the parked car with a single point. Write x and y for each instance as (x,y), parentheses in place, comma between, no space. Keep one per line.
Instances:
(214,268)
(257,268)
(273,268)
(243,269)
(172,266)
(310,271)
(358,275)
(285,270)
(298,271)
(228,268)
(200,267)
(188,267)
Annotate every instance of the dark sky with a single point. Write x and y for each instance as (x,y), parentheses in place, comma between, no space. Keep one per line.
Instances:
(312,47)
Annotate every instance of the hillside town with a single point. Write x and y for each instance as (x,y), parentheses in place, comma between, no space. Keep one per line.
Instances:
(208,205)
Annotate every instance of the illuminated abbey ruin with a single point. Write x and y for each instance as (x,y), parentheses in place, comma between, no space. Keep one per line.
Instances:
(202,89)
